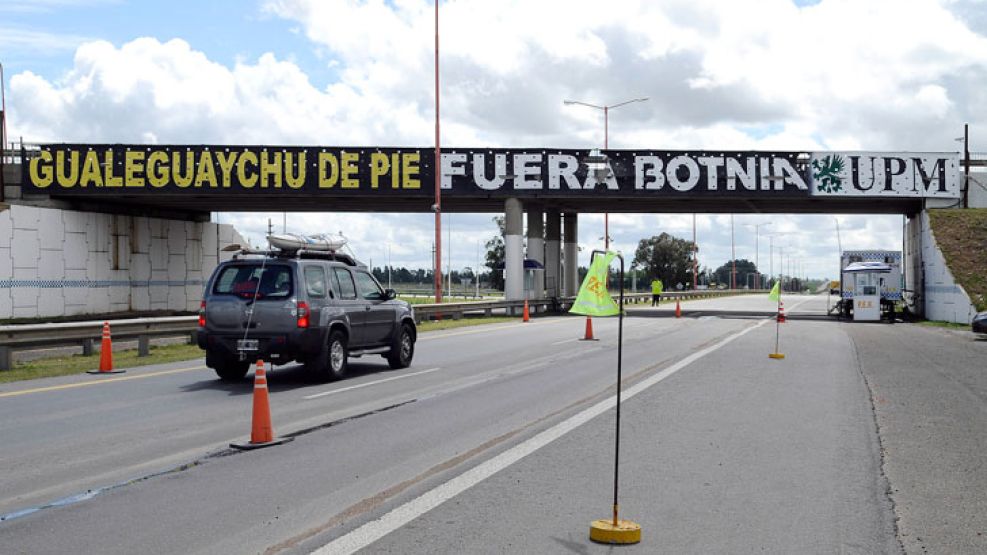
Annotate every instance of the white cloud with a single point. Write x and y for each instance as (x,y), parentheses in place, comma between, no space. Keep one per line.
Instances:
(745,74)
(13,38)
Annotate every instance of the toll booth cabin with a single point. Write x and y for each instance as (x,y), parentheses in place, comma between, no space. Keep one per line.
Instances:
(870,288)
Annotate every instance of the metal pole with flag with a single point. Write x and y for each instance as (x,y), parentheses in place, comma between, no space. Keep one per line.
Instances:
(775,295)
(594,300)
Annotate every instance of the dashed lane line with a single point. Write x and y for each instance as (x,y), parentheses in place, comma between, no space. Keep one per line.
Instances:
(368,384)
(99,381)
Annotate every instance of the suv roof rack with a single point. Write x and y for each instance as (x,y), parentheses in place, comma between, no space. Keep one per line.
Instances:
(299,253)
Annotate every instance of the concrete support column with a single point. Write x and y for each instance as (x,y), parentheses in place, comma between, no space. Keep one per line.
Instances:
(570,254)
(913,267)
(536,249)
(513,254)
(553,253)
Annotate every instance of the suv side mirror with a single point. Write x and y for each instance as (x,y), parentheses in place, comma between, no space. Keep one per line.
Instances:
(390,294)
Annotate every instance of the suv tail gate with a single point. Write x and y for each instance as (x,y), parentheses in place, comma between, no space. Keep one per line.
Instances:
(247,293)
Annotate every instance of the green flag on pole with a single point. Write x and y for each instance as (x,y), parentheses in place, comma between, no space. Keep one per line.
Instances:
(775,294)
(593,298)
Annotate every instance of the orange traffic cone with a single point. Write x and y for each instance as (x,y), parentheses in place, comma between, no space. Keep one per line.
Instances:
(781,312)
(525,317)
(589,330)
(262,432)
(106,354)
(678,309)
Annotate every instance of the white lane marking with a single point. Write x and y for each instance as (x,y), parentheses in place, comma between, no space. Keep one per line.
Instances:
(101,381)
(566,341)
(376,529)
(368,384)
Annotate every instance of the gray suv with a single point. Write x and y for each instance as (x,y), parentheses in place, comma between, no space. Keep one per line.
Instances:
(312,307)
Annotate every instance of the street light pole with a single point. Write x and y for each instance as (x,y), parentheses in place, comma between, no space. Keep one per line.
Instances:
(606,215)
(781,266)
(966,165)
(438,170)
(694,253)
(449,254)
(3,132)
(606,146)
(757,251)
(733,257)
(771,254)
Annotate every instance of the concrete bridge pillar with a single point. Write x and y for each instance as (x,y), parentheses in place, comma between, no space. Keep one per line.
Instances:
(536,249)
(553,255)
(912,267)
(513,253)
(570,254)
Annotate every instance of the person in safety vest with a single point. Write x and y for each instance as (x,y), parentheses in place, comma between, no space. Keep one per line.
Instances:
(656,289)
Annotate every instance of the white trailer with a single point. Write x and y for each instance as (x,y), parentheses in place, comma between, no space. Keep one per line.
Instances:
(870,284)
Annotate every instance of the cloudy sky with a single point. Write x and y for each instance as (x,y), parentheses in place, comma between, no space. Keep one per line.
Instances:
(895,75)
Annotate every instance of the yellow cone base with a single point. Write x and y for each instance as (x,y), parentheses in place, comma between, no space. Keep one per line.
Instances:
(776,356)
(603,531)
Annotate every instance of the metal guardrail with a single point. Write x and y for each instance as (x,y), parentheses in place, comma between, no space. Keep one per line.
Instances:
(458,310)
(86,334)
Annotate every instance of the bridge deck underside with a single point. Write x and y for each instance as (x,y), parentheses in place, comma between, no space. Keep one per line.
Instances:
(450,203)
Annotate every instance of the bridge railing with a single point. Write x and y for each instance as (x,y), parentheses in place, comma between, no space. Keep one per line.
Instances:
(87,334)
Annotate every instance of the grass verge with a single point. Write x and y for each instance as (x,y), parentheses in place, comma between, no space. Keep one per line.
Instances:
(962,237)
(77,364)
(449,323)
(940,324)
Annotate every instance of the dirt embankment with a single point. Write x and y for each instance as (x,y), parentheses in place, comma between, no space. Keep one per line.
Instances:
(962,237)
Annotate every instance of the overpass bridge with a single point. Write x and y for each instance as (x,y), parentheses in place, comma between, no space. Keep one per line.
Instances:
(244,178)
(175,187)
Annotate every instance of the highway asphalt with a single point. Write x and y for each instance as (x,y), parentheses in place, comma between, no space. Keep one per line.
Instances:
(499,439)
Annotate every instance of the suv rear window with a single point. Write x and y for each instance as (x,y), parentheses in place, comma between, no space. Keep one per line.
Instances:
(243,280)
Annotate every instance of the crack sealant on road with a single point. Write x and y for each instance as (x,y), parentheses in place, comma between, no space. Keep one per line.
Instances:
(222,453)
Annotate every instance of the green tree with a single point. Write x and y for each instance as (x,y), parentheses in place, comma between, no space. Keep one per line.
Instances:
(496,256)
(744,267)
(667,258)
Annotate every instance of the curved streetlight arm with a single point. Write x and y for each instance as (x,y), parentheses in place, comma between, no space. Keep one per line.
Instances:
(631,101)
(571,102)
(608,107)
(606,143)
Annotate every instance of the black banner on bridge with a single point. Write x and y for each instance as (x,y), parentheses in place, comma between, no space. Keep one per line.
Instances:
(137,170)
(196,170)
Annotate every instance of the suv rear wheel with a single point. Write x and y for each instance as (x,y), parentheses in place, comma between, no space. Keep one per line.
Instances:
(331,361)
(403,350)
(231,370)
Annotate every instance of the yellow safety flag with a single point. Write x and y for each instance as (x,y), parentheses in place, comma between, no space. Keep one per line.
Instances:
(593,298)
(775,294)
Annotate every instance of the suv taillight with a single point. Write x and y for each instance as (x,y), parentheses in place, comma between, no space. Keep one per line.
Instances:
(202,314)
(303,313)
